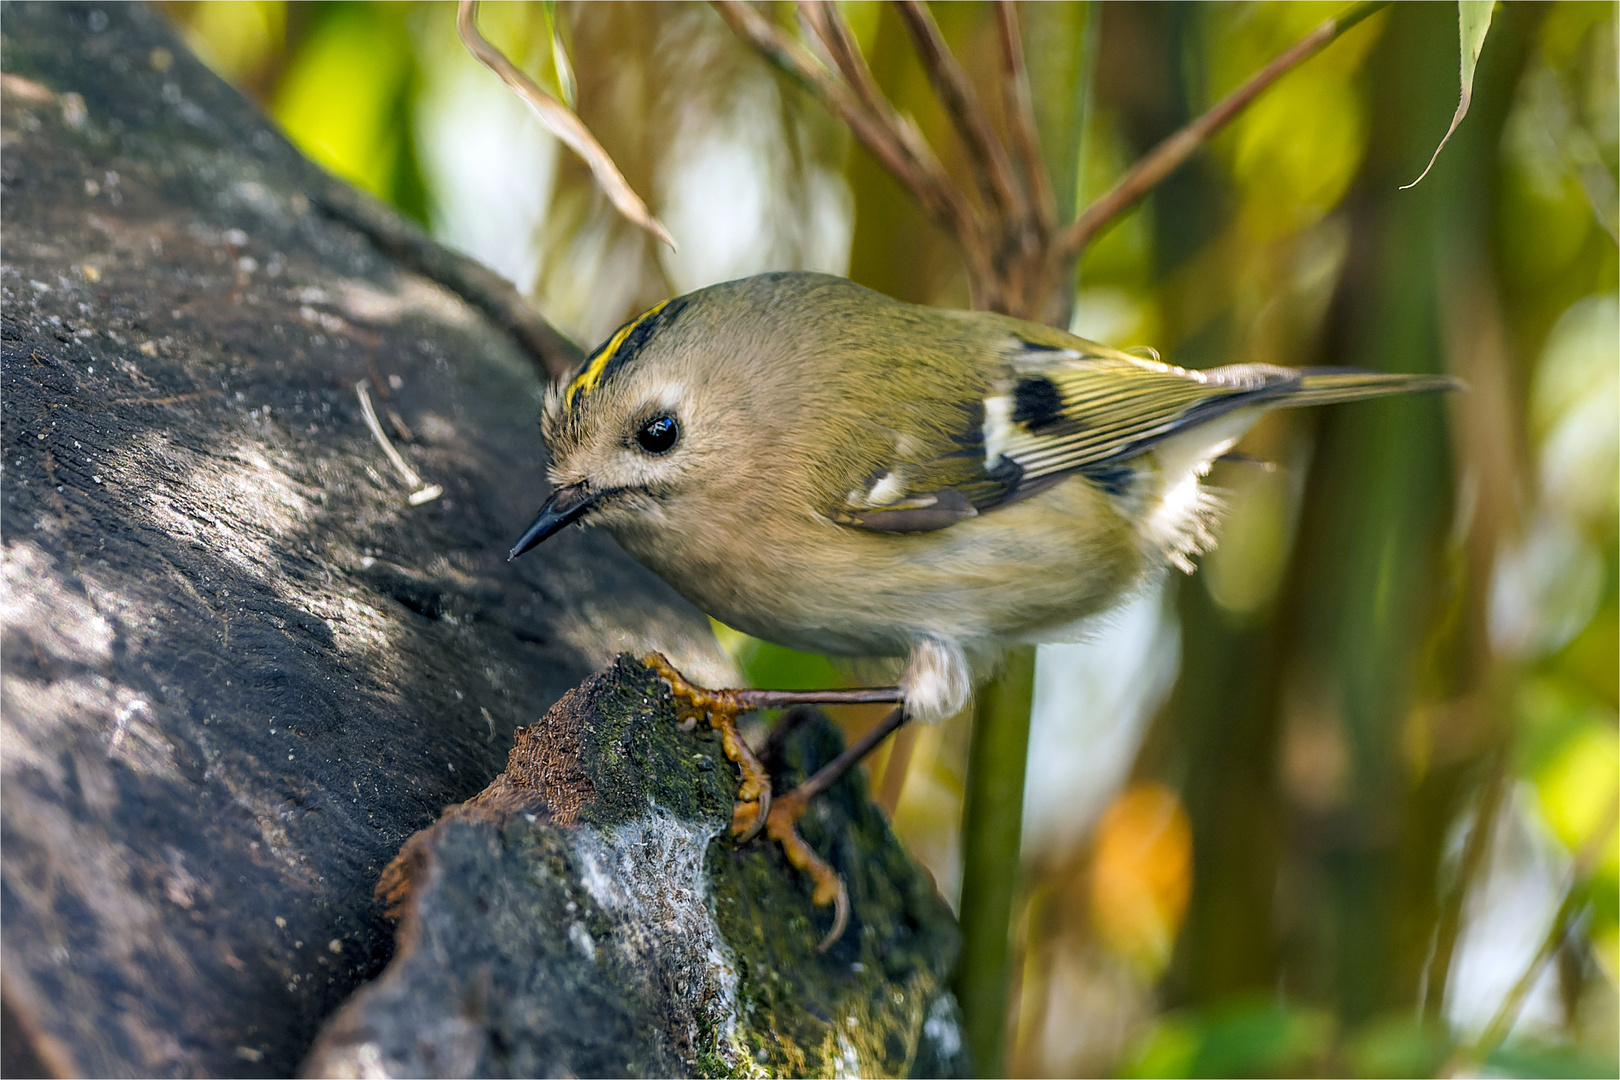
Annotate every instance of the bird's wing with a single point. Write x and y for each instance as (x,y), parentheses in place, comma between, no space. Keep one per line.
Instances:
(1060,405)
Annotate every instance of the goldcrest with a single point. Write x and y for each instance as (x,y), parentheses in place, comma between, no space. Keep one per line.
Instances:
(827,468)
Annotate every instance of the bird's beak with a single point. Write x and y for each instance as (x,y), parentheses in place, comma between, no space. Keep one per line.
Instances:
(566,506)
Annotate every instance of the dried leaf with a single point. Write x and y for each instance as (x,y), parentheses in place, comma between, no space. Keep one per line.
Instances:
(561,122)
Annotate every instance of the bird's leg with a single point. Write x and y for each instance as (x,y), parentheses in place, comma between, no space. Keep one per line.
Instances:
(755,808)
(780,824)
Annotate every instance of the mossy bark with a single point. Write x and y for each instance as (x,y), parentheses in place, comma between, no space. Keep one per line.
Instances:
(588,915)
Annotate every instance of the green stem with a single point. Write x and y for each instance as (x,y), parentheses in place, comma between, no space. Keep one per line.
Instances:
(992,826)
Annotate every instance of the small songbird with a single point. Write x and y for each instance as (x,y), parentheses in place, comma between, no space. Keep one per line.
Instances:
(833,470)
(827,468)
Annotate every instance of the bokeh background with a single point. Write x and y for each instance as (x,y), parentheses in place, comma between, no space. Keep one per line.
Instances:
(1319,808)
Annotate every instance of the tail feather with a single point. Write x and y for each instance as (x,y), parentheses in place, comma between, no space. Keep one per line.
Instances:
(1324,386)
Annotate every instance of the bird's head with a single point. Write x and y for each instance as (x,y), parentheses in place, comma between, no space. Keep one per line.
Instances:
(710,406)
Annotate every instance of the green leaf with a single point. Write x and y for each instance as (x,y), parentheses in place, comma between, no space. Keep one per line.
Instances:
(1473,22)
(559,58)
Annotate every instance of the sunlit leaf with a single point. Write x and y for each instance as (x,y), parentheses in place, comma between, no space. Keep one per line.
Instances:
(1577,787)
(339,97)
(1297,153)
(559,58)
(1473,22)
(236,36)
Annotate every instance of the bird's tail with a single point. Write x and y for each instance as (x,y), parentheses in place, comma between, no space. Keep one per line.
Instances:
(1324,386)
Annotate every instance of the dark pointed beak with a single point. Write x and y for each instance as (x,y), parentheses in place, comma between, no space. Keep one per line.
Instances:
(566,506)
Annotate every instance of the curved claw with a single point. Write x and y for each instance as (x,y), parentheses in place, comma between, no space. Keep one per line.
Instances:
(840,918)
(762,812)
(829,887)
(722,707)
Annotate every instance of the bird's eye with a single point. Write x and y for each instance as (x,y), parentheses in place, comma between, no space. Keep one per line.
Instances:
(659,435)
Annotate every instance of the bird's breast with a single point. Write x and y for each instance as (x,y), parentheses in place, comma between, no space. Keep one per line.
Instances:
(798,579)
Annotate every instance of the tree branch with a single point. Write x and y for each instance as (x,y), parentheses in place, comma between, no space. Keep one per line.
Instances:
(824,20)
(561,122)
(994,172)
(828,25)
(1020,109)
(1165,158)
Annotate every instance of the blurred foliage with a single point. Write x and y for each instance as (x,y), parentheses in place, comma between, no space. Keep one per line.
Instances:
(1392,746)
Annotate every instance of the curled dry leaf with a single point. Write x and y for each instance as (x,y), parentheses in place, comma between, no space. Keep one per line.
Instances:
(560,122)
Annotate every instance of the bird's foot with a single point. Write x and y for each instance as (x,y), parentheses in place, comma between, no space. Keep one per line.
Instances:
(722,707)
(781,826)
(754,808)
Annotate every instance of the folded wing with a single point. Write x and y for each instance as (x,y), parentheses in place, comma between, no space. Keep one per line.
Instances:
(1066,406)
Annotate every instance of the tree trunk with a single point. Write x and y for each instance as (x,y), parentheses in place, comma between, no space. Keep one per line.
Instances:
(240,667)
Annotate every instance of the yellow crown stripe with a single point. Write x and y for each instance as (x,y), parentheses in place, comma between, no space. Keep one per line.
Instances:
(586,380)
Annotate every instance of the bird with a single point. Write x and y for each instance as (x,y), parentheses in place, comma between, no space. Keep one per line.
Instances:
(825,467)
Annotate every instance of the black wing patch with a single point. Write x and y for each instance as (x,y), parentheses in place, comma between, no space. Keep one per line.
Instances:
(1037,402)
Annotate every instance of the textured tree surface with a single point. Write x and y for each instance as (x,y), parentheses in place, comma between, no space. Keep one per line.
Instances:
(582,917)
(242,668)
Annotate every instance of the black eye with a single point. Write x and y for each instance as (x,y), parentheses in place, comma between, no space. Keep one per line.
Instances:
(659,435)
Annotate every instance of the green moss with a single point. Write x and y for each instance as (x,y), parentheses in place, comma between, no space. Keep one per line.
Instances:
(861,1006)
(636,756)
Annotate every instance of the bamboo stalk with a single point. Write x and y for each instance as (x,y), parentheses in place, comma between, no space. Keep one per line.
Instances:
(992,828)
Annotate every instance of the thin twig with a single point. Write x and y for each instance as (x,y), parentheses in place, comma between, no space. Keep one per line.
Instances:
(824,18)
(561,122)
(424,492)
(774,44)
(1165,158)
(994,172)
(926,178)
(827,23)
(1020,110)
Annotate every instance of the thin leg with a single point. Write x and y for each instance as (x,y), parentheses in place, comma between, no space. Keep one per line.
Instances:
(785,814)
(755,808)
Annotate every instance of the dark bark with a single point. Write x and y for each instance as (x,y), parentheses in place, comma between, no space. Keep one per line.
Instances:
(240,670)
